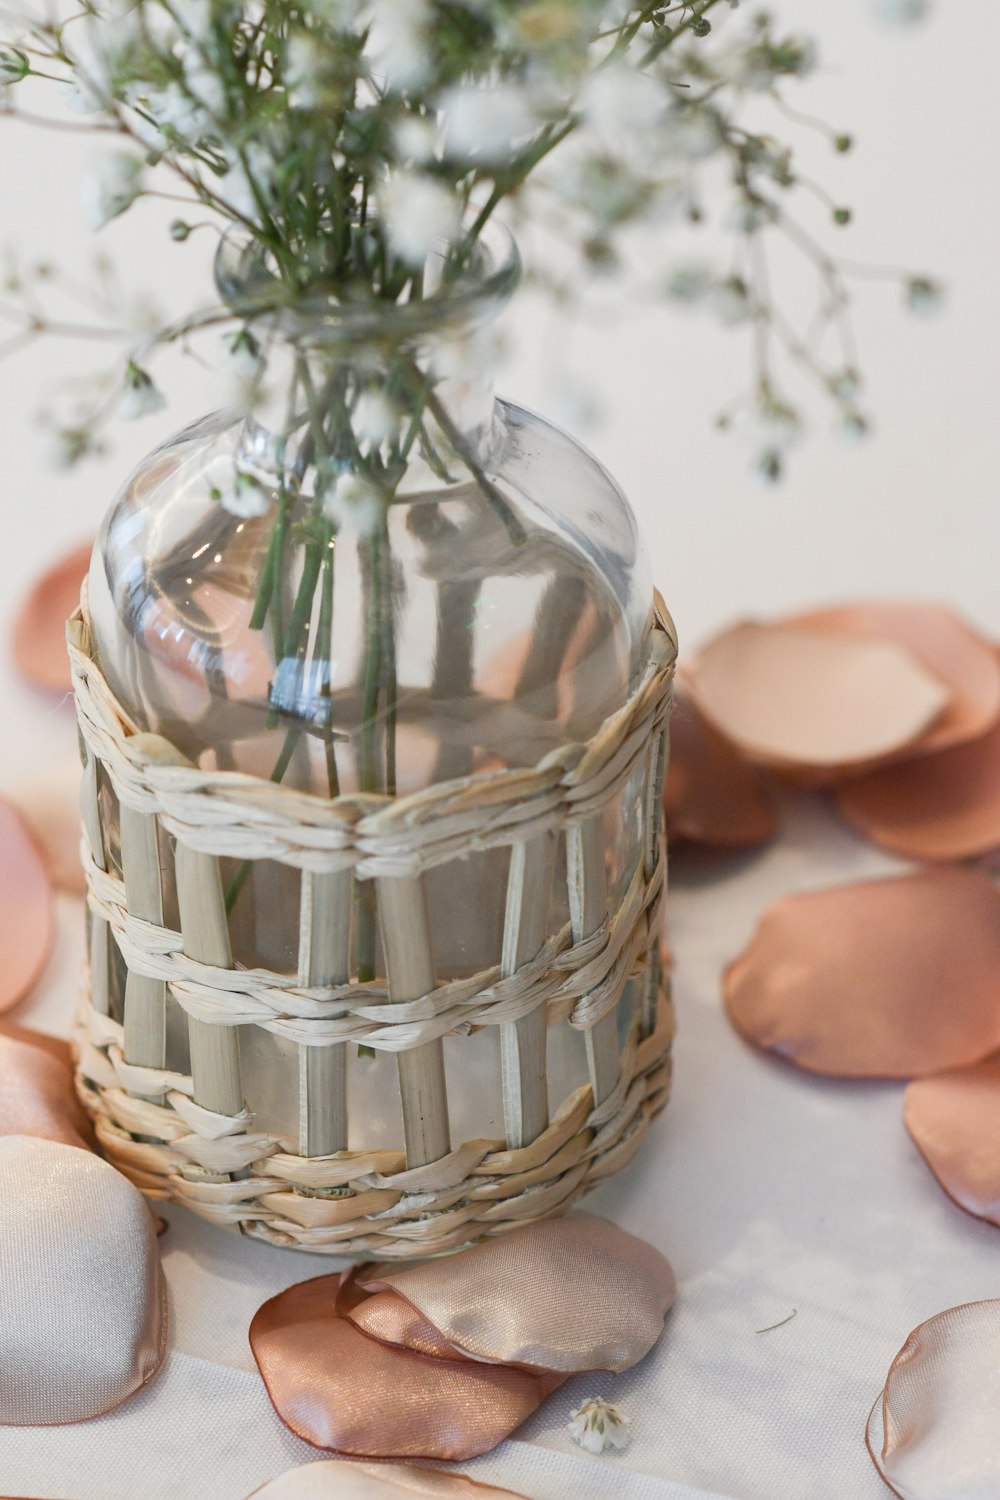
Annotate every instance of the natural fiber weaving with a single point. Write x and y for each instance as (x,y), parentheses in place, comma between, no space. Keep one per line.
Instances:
(189,1136)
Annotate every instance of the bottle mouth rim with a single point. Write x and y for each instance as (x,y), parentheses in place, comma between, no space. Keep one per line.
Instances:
(252,291)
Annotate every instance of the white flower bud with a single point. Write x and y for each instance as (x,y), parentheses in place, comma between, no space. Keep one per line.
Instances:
(13,66)
(597,1425)
(140,397)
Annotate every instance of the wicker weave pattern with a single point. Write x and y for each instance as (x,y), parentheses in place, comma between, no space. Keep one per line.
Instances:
(189,1137)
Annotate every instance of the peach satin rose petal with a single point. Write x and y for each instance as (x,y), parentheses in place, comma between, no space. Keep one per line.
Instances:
(49,802)
(390,1319)
(941,806)
(954,1118)
(809,702)
(37,1096)
(562,1295)
(40,627)
(339,1389)
(26,909)
(933,1432)
(712,796)
(82,1298)
(340,1479)
(950,650)
(883,979)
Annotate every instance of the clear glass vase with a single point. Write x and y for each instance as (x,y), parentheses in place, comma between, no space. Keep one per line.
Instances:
(403,581)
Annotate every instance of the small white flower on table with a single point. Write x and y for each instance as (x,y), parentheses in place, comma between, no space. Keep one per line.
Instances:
(597,1425)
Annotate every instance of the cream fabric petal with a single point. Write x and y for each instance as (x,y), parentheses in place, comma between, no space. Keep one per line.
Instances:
(809,702)
(712,796)
(562,1294)
(49,802)
(951,650)
(881,979)
(941,806)
(27,914)
(82,1297)
(933,1433)
(40,627)
(343,1479)
(954,1118)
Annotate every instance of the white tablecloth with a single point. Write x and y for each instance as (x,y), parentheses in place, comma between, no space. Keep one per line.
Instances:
(768,1190)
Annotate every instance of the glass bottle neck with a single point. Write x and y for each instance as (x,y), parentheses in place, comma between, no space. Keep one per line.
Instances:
(376,407)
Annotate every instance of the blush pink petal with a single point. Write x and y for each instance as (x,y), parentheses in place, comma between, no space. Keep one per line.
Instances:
(49,802)
(814,704)
(340,1479)
(342,1390)
(883,979)
(40,627)
(26,909)
(951,650)
(564,1295)
(712,796)
(941,806)
(954,1118)
(37,1095)
(933,1433)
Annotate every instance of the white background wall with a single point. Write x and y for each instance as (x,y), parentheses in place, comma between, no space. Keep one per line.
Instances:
(914,512)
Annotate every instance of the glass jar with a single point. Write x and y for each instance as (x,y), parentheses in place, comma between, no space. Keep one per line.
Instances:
(406,581)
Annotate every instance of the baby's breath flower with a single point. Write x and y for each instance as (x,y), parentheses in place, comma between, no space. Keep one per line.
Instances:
(923,296)
(243,495)
(902,12)
(693,132)
(414,140)
(688,284)
(398,42)
(853,427)
(730,301)
(307,65)
(485,124)
(771,425)
(619,98)
(354,502)
(140,397)
(83,95)
(110,187)
(420,213)
(375,418)
(67,446)
(597,1425)
(204,86)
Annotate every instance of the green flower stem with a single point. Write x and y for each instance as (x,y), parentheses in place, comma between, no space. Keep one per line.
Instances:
(325,642)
